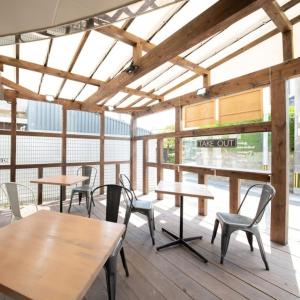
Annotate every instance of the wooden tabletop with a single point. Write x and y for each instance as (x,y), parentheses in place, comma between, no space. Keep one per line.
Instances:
(49,255)
(184,189)
(64,180)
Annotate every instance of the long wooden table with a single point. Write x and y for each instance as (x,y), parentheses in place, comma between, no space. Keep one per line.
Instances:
(62,181)
(183,189)
(49,255)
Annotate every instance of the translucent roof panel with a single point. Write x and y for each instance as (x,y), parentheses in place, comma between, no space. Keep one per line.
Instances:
(8,50)
(153,19)
(71,89)
(116,98)
(112,64)
(87,91)
(296,37)
(29,79)
(293,12)
(92,53)
(8,71)
(192,9)
(142,102)
(129,101)
(35,52)
(50,85)
(63,50)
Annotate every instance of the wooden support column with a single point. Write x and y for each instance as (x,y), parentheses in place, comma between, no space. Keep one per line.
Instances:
(178,149)
(102,149)
(13,140)
(202,202)
(159,161)
(133,156)
(145,168)
(234,194)
(280,162)
(287,44)
(64,146)
(40,186)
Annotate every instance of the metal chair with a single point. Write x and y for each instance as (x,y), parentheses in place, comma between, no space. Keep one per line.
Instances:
(12,193)
(86,187)
(232,222)
(113,196)
(141,206)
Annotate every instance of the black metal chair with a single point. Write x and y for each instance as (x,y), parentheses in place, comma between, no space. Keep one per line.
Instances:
(113,196)
(86,187)
(141,206)
(232,222)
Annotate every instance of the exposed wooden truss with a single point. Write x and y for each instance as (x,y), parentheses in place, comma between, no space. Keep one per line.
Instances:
(216,18)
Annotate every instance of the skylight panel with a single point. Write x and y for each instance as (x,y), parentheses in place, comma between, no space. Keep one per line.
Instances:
(29,79)
(50,85)
(116,59)
(63,50)
(71,89)
(87,92)
(94,50)
(35,52)
(191,10)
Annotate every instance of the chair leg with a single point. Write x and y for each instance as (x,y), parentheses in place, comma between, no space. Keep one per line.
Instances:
(153,219)
(70,204)
(124,261)
(87,199)
(250,239)
(150,223)
(111,280)
(79,197)
(225,238)
(262,250)
(215,231)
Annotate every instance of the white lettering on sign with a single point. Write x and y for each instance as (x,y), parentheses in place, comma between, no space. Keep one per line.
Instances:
(220,143)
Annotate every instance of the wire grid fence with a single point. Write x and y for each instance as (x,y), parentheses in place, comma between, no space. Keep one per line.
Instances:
(51,192)
(168,175)
(24,176)
(116,150)
(4,177)
(39,150)
(139,165)
(152,178)
(125,169)
(4,149)
(152,145)
(83,150)
(110,174)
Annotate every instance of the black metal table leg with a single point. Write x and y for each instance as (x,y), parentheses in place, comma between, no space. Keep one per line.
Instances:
(180,240)
(61,198)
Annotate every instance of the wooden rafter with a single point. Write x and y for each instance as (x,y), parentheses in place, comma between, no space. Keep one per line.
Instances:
(67,75)
(277,15)
(133,40)
(218,17)
(74,59)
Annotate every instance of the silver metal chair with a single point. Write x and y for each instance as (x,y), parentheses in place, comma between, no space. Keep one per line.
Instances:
(87,186)
(141,206)
(11,190)
(233,222)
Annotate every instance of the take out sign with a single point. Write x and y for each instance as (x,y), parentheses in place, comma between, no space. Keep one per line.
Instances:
(217,143)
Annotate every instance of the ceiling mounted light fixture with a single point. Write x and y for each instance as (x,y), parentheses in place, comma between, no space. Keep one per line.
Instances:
(50,98)
(202,92)
(110,108)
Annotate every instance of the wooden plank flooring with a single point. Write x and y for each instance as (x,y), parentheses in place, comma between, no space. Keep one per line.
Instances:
(177,275)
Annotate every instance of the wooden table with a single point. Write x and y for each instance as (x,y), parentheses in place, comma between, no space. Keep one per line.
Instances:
(183,189)
(62,181)
(49,255)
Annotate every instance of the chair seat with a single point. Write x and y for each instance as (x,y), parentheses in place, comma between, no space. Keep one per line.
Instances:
(234,219)
(142,204)
(84,188)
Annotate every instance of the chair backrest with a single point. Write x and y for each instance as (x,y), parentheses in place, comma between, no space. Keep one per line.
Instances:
(113,196)
(125,182)
(11,191)
(90,172)
(267,194)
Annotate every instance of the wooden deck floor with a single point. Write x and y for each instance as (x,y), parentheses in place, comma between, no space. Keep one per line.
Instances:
(177,274)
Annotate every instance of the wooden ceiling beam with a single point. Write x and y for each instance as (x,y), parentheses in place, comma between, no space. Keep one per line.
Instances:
(277,15)
(67,75)
(133,40)
(218,17)
(236,85)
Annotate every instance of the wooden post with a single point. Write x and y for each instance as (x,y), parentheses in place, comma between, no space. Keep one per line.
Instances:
(133,155)
(234,194)
(13,140)
(117,173)
(159,160)
(102,149)
(64,146)
(178,149)
(287,44)
(202,202)
(145,168)
(280,162)
(40,186)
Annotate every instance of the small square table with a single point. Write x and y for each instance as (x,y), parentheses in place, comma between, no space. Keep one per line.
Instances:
(183,189)
(62,181)
(49,255)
